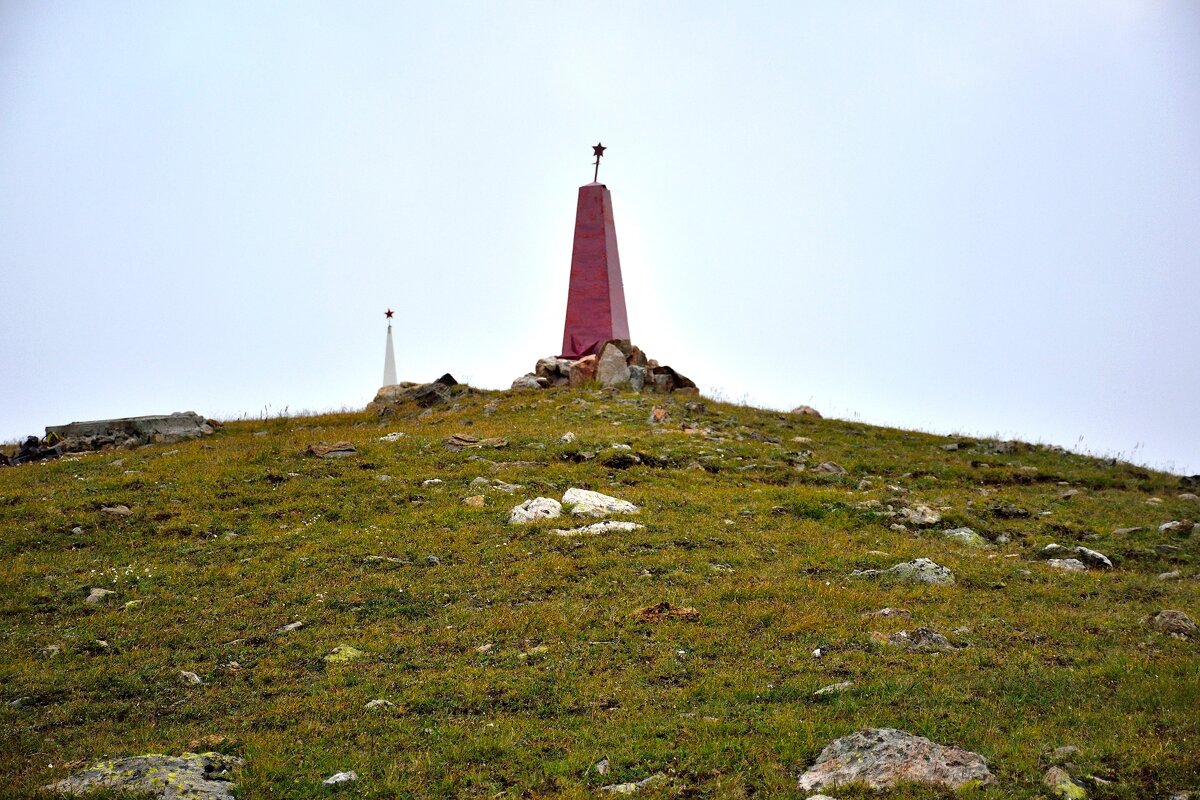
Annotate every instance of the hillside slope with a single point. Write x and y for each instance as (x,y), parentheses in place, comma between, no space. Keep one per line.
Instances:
(512,654)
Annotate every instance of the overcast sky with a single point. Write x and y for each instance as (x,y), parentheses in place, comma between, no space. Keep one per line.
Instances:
(960,217)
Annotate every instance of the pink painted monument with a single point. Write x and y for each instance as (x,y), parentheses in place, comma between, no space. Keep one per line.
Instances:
(596,299)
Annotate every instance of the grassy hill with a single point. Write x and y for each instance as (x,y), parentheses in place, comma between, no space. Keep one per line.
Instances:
(512,654)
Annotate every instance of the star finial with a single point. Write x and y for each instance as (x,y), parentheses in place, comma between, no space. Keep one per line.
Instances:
(388,313)
(598,150)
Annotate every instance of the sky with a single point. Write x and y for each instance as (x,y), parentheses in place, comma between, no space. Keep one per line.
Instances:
(966,218)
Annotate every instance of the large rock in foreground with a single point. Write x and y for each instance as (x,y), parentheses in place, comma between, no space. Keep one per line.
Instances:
(881,758)
(129,431)
(191,776)
(423,395)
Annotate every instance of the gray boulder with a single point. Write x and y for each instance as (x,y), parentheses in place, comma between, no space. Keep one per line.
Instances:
(1067,564)
(535,509)
(924,640)
(191,776)
(919,570)
(611,369)
(882,758)
(594,504)
(966,536)
(529,381)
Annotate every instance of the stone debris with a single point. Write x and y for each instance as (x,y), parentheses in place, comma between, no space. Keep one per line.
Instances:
(106,434)
(615,364)
(660,612)
(431,481)
(1089,558)
(595,504)
(335,450)
(923,640)
(191,776)
(881,758)
(391,399)
(830,468)
(475,501)
(117,511)
(966,536)
(1058,781)
(291,626)
(887,612)
(920,515)
(631,788)
(833,688)
(339,778)
(807,411)
(607,526)
(1067,564)
(190,678)
(374,704)
(343,653)
(535,509)
(601,767)
(98,594)
(1175,623)
(920,570)
(462,441)
(393,437)
(567,437)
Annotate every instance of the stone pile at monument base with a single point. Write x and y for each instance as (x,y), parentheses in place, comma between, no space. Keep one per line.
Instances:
(618,364)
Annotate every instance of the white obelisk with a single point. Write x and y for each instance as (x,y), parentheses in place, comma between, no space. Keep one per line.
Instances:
(389,358)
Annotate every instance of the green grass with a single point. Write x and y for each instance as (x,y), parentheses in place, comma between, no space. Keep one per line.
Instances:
(238,534)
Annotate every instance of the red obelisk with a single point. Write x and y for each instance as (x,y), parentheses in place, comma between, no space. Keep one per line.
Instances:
(596,299)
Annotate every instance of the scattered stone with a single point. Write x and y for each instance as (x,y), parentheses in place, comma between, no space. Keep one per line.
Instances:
(601,767)
(1068,494)
(920,570)
(1067,564)
(1093,558)
(1058,781)
(462,441)
(630,788)
(97,595)
(1054,550)
(807,411)
(830,468)
(475,501)
(393,437)
(291,626)
(335,450)
(664,611)
(1154,501)
(190,678)
(432,561)
(1170,576)
(529,381)
(881,758)
(343,653)
(535,509)
(595,504)
(658,415)
(922,639)
(117,511)
(1175,623)
(486,647)
(381,703)
(338,778)
(966,536)
(431,481)
(567,437)
(1188,496)
(607,526)
(920,515)
(390,399)
(194,776)
(833,688)
(887,612)
(1009,511)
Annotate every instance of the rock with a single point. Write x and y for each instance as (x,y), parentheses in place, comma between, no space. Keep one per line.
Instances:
(1054,550)
(1061,784)
(338,778)
(535,509)
(1170,576)
(881,758)
(374,704)
(116,511)
(1067,564)
(807,411)
(1124,531)
(1009,511)
(97,595)
(475,501)
(567,437)
(830,468)
(462,441)
(966,536)
(601,767)
(922,639)
(582,371)
(664,611)
(833,688)
(920,570)
(432,561)
(529,381)
(290,627)
(658,415)
(390,399)
(611,369)
(335,450)
(595,504)
(431,481)
(920,515)
(637,377)
(607,526)
(630,788)
(392,437)
(1173,622)
(1093,558)
(130,431)
(1187,496)
(556,371)
(194,776)
(190,678)
(888,612)
(343,653)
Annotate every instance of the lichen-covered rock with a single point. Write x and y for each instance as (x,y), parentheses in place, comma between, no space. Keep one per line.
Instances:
(1173,622)
(1060,782)
(191,776)
(535,509)
(919,570)
(607,526)
(595,504)
(881,758)
(966,536)
(920,515)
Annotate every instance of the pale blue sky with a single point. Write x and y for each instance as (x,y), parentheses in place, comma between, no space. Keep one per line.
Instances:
(960,217)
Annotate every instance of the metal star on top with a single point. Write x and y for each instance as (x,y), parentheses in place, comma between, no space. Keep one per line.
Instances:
(598,150)
(388,313)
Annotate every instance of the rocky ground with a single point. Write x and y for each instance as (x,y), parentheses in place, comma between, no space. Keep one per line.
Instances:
(581,592)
